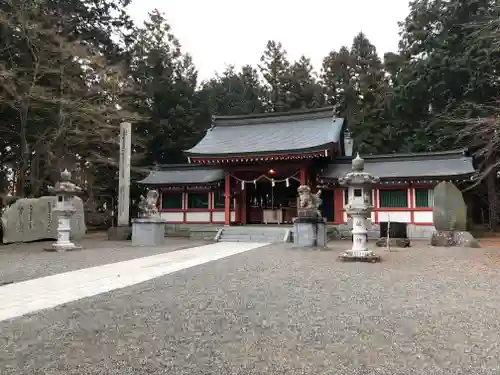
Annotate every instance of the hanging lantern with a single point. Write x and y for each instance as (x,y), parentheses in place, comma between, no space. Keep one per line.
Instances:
(287,182)
(272,182)
(272,172)
(242,185)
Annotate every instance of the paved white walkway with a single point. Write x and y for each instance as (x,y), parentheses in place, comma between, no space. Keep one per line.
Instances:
(48,292)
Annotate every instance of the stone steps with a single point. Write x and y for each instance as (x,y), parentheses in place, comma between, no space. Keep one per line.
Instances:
(255,234)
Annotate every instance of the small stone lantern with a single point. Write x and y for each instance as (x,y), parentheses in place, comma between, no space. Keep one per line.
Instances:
(359,207)
(65,191)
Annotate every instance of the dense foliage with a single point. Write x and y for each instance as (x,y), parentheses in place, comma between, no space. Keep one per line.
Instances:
(72,70)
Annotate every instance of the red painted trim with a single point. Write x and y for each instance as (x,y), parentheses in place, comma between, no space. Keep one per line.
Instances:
(184,206)
(375,205)
(227,199)
(423,223)
(411,197)
(265,157)
(338,205)
(394,187)
(303,175)
(244,206)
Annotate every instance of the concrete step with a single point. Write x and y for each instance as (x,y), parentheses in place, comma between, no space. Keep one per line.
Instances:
(253,234)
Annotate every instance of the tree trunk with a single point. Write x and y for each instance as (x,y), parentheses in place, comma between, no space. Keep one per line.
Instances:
(492,200)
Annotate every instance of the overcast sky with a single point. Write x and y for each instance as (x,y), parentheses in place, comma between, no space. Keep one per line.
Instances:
(221,32)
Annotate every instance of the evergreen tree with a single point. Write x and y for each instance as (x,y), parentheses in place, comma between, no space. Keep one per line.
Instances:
(234,93)
(355,84)
(275,69)
(167,94)
(305,91)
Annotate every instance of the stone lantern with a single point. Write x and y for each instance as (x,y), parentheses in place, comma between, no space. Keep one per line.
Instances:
(65,191)
(359,185)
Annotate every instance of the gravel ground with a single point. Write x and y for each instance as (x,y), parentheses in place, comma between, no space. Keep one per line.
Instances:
(19,262)
(278,310)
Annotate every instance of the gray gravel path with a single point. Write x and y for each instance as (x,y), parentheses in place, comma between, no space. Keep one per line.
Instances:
(277,310)
(19,262)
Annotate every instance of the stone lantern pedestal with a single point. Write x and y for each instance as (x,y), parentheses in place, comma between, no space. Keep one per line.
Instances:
(359,207)
(65,191)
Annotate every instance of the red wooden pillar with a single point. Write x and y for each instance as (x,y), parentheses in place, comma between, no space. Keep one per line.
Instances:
(227,199)
(237,209)
(411,203)
(303,176)
(338,205)
(244,206)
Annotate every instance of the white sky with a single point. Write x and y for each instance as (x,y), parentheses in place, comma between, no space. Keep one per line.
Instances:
(222,32)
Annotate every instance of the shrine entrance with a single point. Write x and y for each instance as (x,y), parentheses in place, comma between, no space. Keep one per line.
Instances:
(269,198)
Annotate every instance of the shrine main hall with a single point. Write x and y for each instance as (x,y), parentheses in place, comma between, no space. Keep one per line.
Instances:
(246,171)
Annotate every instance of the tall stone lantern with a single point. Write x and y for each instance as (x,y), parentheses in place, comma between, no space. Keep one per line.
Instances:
(65,191)
(359,184)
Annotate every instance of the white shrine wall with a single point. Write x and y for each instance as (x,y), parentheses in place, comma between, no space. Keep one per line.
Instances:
(186,215)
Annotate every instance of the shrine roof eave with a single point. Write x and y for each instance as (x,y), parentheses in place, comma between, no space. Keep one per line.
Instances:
(292,132)
(183,175)
(324,150)
(449,165)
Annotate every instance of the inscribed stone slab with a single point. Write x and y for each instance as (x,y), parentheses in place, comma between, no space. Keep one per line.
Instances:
(32,219)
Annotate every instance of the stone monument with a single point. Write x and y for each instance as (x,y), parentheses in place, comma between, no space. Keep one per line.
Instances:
(450,218)
(34,219)
(359,184)
(122,231)
(65,191)
(309,225)
(149,228)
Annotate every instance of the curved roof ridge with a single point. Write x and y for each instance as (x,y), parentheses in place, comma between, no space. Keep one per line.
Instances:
(273,117)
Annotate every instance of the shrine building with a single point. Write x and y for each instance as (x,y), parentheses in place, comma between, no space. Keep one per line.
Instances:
(246,171)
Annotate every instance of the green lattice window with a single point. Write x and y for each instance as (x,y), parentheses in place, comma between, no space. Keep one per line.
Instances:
(397,198)
(171,201)
(424,198)
(219,201)
(197,200)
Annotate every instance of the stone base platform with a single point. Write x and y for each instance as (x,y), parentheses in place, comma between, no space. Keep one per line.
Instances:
(309,229)
(148,231)
(63,249)
(358,258)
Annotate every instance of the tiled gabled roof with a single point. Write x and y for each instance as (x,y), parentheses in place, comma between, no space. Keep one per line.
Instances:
(270,133)
(183,174)
(452,164)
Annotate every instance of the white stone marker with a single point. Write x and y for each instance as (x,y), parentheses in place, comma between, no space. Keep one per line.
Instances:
(124,174)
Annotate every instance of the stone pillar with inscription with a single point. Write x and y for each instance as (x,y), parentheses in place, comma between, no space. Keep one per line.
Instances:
(359,185)
(123,230)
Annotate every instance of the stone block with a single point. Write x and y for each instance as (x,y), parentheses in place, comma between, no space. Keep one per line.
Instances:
(310,232)
(454,238)
(148,232)
(393,242)
(122,233)
(449,210)
(33,219)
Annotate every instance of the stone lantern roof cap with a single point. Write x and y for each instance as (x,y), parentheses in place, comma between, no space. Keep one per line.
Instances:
(358,163)
(65,175)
